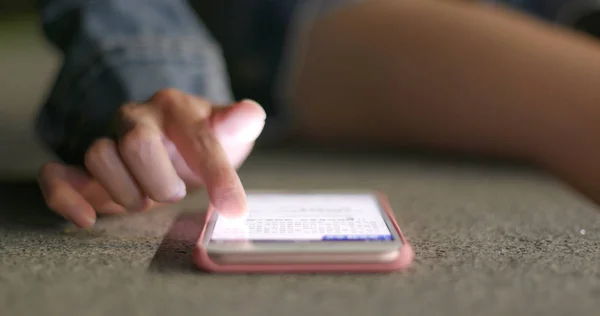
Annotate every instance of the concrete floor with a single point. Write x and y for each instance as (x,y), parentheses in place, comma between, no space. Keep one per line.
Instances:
(489,240)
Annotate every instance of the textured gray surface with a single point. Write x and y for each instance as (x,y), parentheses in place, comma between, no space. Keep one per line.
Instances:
(488,241)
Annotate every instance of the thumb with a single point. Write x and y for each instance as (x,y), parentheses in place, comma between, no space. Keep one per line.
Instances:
(239,123)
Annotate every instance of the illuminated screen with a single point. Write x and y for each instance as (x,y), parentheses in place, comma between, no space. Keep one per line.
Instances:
(307,217)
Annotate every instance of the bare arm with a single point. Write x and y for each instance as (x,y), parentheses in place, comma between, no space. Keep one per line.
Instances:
(448,75)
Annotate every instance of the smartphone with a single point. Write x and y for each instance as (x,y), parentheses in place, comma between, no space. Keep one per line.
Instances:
(305,232)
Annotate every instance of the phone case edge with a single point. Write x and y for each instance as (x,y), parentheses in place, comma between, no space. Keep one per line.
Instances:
(405,258)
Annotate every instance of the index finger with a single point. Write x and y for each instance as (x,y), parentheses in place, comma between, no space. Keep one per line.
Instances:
(187,124)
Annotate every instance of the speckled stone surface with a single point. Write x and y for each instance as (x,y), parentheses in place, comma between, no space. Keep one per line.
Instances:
(489,240)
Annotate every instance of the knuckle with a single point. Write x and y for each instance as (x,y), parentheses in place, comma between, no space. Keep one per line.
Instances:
(178,104)
(98,151)
(130,114)
(169,97)
(137,141)
(129,110)
(127,118)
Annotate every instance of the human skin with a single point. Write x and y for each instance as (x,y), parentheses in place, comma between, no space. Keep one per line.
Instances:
(171,145)
(454,76)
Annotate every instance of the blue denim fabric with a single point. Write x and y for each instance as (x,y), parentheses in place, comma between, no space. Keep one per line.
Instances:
(118,51)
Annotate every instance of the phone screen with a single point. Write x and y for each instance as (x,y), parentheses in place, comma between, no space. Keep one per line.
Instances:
(307,217)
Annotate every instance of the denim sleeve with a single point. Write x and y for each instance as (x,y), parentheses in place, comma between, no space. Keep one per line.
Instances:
(117,51)
(550,10)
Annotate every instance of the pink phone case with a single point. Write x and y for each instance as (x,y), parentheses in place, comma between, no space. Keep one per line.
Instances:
(203,261)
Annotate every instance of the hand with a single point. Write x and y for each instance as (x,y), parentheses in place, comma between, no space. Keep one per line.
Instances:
(165,147)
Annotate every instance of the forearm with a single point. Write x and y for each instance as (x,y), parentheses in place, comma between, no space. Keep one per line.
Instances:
(451,76)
